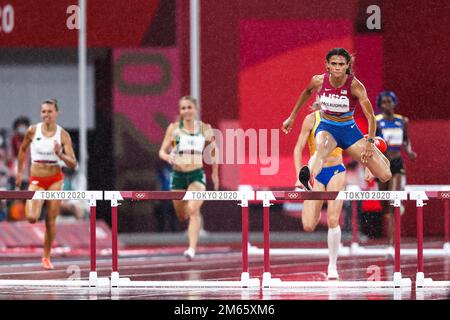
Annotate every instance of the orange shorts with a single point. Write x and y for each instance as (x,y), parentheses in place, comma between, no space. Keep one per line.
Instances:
(46,182)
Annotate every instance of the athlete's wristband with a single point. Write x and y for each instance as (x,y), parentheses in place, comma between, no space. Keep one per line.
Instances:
(371,140)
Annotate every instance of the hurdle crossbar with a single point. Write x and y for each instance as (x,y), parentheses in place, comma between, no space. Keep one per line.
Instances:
(240,196)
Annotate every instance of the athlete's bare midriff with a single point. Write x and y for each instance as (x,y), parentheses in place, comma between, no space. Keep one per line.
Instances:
(188,162)
(393,154)
(44,170)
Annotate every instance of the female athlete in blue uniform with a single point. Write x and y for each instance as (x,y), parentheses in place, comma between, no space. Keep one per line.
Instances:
(338,92)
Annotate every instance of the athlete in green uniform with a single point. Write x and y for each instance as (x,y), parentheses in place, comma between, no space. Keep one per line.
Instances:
(184,148)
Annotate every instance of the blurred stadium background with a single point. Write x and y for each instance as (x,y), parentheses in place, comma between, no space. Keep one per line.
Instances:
(255,58)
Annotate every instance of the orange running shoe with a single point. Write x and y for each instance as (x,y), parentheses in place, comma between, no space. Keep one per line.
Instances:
(46,264)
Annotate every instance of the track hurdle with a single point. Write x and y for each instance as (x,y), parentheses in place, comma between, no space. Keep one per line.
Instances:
(268,197)
(242,197)
(358,250)
(420,197)
(91,197)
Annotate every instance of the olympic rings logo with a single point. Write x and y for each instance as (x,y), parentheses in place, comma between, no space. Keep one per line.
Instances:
(293,195)
(139,195)
(445,195)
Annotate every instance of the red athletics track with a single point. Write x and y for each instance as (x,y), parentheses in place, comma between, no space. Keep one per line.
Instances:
(218,262)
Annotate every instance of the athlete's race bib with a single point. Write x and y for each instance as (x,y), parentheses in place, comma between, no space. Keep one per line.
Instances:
(393,136)
(191,143)
(335,103)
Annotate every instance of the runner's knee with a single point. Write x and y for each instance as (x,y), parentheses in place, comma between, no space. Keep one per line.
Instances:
(32,220)
(385,176)
(308,226)
(333,222)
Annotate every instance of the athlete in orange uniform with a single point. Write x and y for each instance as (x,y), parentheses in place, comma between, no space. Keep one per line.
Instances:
(330,178)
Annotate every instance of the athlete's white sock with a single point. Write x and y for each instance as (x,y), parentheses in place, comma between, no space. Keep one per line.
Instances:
(334,241)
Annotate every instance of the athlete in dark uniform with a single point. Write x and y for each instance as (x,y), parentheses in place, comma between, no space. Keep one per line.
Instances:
(393,128)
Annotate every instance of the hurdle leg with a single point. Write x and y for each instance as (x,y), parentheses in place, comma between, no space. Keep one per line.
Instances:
(93,245)
(420,277)
(398,280)
(266,274)
(421,281)
(115,271)
(245,276)
(397,239)
(446,227)
(420,196)
(267,280)
(355,242)
(245,272)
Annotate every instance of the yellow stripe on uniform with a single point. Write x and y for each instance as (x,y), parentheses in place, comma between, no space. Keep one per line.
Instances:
(336,118)
(312,143)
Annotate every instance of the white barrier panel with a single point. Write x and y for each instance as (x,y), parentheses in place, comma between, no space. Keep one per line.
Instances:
(113,195)
(427,187)
(418,195)
(372,195)
(68,195)
(219,195)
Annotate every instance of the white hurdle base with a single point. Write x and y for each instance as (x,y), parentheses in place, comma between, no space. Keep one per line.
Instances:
(343,251)
(93,282)
(354,250)
(357,250)
(447,247)
(245,283)
(422,282)
(398,282)
(334,293)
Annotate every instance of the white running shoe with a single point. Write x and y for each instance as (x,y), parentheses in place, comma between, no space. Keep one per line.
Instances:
(332,274)
(189,254)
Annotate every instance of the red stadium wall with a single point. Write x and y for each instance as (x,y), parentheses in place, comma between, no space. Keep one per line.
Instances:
(110,23)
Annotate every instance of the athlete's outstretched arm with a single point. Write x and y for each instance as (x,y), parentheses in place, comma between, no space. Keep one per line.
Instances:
(314,84)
